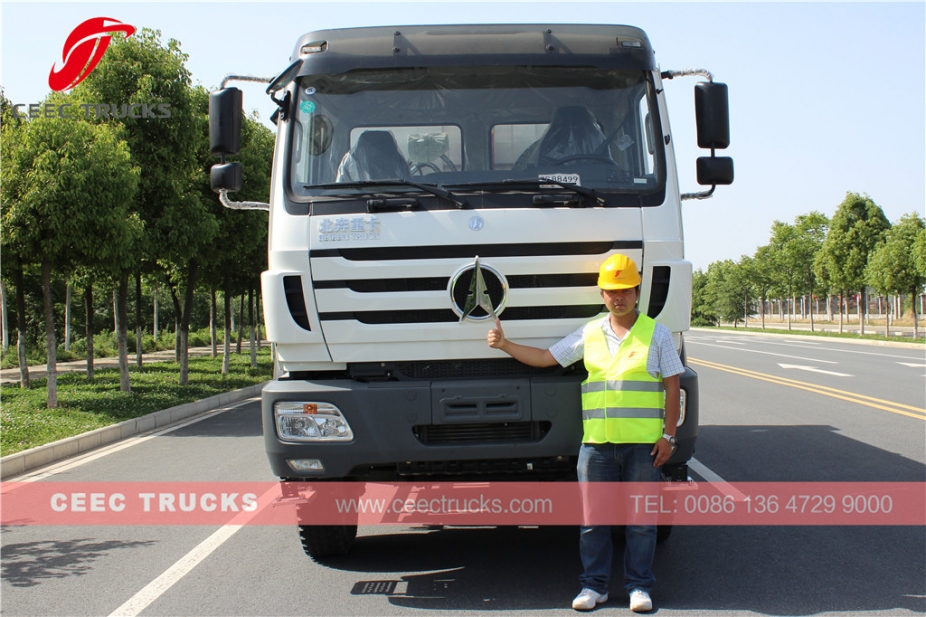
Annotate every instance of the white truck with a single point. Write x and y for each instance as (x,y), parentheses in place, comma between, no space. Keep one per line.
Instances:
(427,179)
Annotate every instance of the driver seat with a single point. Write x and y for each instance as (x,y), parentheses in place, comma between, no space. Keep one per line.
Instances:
(573,131)
(375,156)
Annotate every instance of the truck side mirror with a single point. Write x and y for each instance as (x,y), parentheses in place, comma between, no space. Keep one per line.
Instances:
(714,170)
(225,121)
(712,112)
(226,176)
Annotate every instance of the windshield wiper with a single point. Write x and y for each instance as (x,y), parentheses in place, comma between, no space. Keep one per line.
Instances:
(512,184)
(437,191)
(575,188)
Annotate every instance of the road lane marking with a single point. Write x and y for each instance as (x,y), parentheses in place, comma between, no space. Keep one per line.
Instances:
(788,343)
(813,369)
(156,588)
(768,353)
(861,399)
(709,476)
(912,365)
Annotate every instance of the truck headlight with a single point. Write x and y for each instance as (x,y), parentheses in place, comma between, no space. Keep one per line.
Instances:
(310,421)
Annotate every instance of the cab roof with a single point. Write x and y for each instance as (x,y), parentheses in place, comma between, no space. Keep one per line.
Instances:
(382,47)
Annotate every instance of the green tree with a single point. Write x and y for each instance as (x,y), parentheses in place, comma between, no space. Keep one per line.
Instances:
(67,185)
(785,266)
(702,310)
(762,277)
(728,290)
(149,88)
(811,233)
(855,230)
(892,267)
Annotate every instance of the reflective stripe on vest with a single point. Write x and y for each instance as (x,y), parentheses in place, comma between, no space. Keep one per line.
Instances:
(621,401)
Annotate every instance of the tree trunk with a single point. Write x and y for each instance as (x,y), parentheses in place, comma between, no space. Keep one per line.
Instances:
(887,318)
(154,323)
(258,319)
(138,329)
(122,294)
(841,302)
(226,350)
(860,309)
(916,330)
(88,328)
(67,318)
(192,271)
(4,317)
(21,328)
(251,328)
(810,303)
(51,366)
(178,313)
(240,325)
(213,334)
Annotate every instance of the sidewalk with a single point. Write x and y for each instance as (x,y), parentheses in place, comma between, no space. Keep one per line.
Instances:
(11,375)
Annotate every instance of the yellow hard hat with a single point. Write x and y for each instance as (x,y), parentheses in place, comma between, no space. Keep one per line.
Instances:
(618,272)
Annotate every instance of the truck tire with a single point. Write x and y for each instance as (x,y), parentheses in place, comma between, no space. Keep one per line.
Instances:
(320,541)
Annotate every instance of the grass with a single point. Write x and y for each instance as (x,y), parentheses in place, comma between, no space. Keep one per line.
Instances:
(87,405)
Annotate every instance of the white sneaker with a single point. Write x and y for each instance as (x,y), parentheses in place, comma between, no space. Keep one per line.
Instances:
(588,599)
(640,601)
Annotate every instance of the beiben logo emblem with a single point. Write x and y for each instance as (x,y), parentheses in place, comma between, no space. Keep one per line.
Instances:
(478,292)
(476,223)
(83,50)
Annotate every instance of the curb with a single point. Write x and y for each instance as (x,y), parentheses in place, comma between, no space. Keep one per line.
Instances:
(27,460)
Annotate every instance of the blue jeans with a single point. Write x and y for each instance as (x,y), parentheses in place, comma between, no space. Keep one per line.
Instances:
(612,462)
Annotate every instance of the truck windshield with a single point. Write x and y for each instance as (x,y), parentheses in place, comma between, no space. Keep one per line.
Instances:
(476,129)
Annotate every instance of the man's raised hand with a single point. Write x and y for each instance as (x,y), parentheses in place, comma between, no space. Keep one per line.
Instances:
(496,336)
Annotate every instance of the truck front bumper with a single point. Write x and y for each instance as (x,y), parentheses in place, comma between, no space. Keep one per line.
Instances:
(529,427)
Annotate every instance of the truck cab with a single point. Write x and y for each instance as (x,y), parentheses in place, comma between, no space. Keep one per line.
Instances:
(428,180)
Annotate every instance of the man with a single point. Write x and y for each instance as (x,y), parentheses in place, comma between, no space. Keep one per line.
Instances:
(630,410)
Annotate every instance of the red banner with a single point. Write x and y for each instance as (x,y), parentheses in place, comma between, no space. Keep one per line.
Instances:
(465,504)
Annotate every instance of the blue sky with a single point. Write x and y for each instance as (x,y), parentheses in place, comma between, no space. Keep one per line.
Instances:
(825,98)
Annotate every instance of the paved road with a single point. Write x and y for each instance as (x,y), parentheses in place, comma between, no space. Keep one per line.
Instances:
(760,422)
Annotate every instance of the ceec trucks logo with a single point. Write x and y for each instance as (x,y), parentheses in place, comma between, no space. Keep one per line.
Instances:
(83,50)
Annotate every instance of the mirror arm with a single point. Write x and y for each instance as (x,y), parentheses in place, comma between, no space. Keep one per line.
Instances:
(688,73)
(701,195)
(232,77)
(241,205)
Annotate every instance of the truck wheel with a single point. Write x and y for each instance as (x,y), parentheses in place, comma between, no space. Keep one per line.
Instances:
(320,541)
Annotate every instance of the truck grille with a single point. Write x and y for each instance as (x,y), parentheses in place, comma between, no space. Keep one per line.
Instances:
(491,433)
(372,301)
(454,369)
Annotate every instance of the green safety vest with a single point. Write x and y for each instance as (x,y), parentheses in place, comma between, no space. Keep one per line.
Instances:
(621,401)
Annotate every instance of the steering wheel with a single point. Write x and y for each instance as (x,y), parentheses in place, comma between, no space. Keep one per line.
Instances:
(416,169)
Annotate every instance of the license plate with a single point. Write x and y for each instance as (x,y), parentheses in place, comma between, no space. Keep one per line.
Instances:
(565,178)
